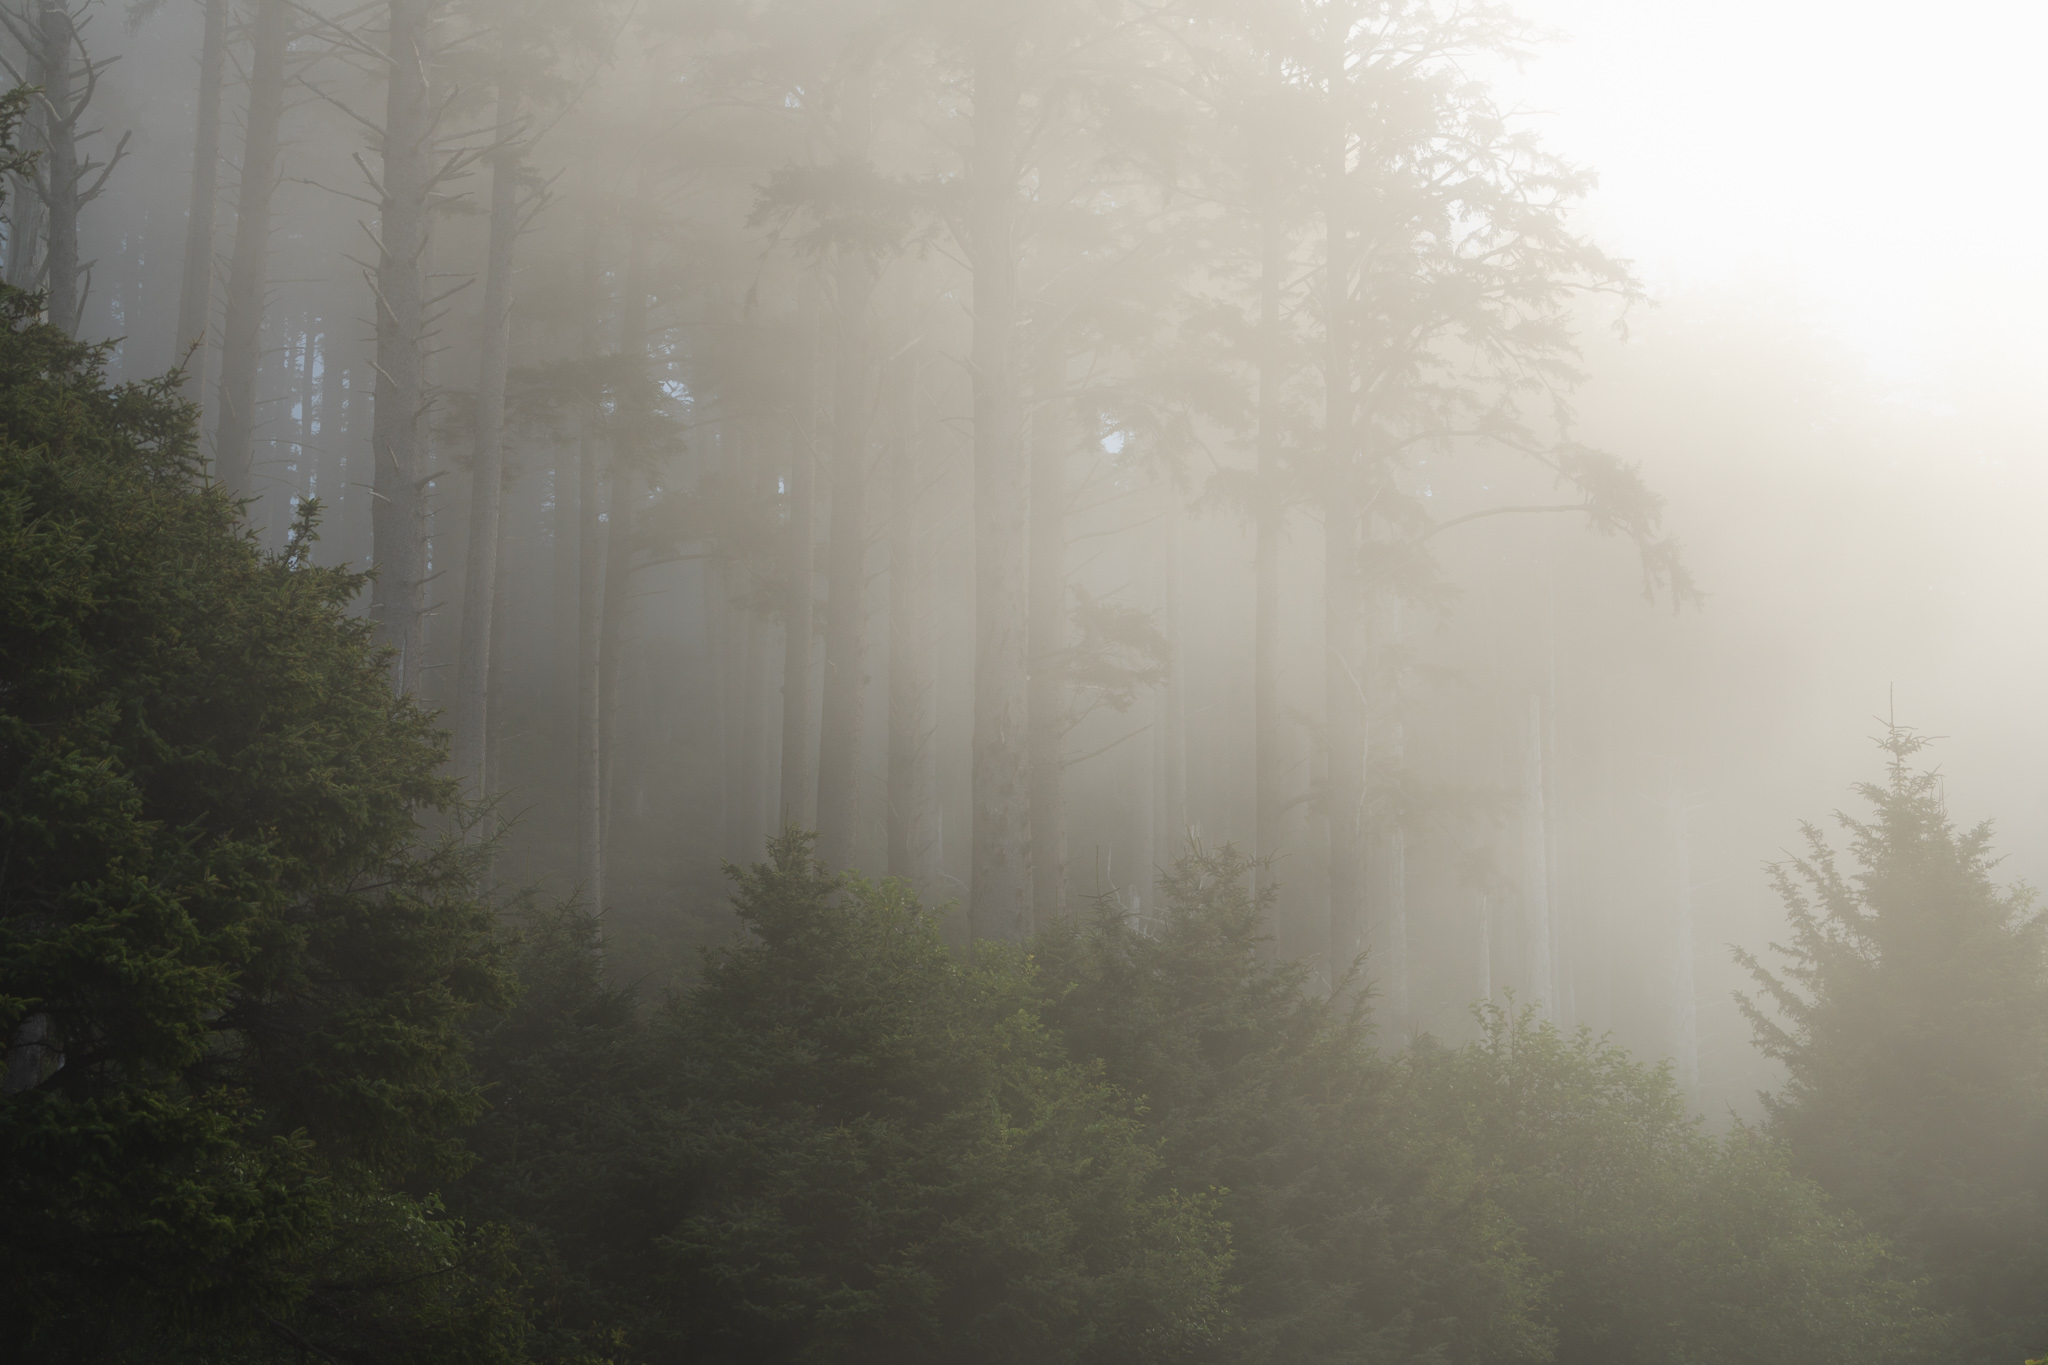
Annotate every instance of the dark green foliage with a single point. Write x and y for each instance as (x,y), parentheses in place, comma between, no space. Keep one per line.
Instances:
(1358,1237)
(1656,1241)
(1912,1018)
(841,1144)
(231,982)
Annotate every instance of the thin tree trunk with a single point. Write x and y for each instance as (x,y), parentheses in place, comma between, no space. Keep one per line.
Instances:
(839,724)
(1174,825)
(25,213)
(1266,716)
(398,524)
(59,170)
(627,468)
(470,748)
(846,568)
(1388,861)
(1539,965)
(1047,604)
(746,681)
(590,585)
(911,775)
(589,816)
(799,555)
(195,289)
(1343,681)
(1000,889)
(1685,1014)
(248,275)
(248,267)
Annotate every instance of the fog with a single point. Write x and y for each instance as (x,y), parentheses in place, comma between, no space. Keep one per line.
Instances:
(1571,786)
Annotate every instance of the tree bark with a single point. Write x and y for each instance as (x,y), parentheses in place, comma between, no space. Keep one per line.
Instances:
(799,555)
(25,213)
(59,171)
(588,818)
(195,289)
(1268,777)
(1539,961)
(627,467)
(398,524)
(912,779)
(589,741)
(1000,889)
(470,747)
(846,568)
(1684,1007)
(1171,840)
(1047,605)
(241,352)
(1343,681)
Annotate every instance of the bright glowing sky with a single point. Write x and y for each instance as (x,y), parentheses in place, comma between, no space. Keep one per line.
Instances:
(1884,160)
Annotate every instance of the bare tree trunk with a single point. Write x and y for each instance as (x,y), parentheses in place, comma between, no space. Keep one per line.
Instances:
(1685,1014)
(589,741)
(1539,963)
(1175,826)
(398,522)
(470,747)
(248,269)
(1388,866)
(627,468)
(846,568)
(1266,715)
(1000,890)
(1047,605)
(59,170)
(839,724)
(799,555)
(745,683)
(1343,680)
(25,213)
(623,484)
(588,817)
(195,289)
(912,778)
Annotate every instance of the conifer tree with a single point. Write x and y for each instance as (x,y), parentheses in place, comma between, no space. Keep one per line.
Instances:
(1911,1015)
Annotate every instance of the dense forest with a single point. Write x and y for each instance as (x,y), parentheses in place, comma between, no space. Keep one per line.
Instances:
(950,680)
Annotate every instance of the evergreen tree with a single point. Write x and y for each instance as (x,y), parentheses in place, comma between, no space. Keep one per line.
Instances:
(1910,1015)
(231,977)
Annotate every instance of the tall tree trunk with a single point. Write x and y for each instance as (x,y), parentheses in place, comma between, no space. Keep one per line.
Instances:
(1174,825)
(627,468)
(59,170)
(912,779)
(1047,603)
(1000,890)
(241,351)
(470,748)
(398,523)
(799,555)
(1387,864)
(26,216)
(1266,712)
(839,723)
(195,288)
(1539,961)
(590,584)
(746,681)
(590,538)
(1343,680)
(846,567)
(1684,1007)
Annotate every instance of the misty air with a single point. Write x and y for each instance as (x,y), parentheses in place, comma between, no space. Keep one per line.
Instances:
(1021,682)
